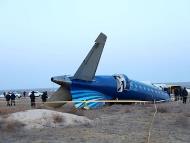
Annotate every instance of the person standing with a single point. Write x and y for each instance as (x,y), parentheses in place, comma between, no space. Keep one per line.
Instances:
(176,94)
(13,99)
(32,98)
(4,93)
(8,97)
(184,95)
(24,94)
(44,97)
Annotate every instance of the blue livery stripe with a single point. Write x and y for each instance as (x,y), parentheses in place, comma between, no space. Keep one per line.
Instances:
(87,95)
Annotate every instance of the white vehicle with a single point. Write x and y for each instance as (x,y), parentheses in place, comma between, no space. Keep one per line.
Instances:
(36,93)
(2,96)
(18,95)
(188,90)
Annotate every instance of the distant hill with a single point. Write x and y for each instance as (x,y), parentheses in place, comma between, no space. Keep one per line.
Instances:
(184,84)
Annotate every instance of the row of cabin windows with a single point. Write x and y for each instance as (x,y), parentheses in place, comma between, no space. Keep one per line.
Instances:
(145,88)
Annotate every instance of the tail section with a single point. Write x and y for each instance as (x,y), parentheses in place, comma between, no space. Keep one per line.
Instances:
(85,72)
(88,68)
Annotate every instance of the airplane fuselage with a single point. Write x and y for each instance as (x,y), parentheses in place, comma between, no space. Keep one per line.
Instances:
(110,87)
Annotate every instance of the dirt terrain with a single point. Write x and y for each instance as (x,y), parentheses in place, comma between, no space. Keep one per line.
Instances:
(111,124)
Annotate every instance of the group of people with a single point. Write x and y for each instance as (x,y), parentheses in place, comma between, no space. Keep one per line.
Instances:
(181,94)
(44,97)
(10,98)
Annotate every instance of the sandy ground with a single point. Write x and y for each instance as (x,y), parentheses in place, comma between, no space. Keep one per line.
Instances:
(111,124)
(43,118)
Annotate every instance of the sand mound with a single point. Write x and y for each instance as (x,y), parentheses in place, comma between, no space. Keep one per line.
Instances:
(41,118)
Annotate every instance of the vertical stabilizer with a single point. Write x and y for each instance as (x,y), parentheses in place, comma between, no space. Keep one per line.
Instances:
(88,68)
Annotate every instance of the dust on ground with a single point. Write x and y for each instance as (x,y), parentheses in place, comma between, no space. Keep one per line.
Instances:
(111,124)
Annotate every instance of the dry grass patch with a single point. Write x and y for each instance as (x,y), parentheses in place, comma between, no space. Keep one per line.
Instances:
(5,111)
(127,111)
(57,118)
(10,126)
(187,114)
(183,121)
(162,109)
(79,112)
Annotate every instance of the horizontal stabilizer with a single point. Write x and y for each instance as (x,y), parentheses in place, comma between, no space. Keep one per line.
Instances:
(88,68)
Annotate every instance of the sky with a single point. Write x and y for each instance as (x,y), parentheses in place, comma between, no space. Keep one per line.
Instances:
(148,40)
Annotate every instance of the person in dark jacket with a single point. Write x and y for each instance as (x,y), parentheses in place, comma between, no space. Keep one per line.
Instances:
(184,95)
(13,99)
(4,93)
(32,98)
(24,94)
(44,97)
(8,97)
(176,94)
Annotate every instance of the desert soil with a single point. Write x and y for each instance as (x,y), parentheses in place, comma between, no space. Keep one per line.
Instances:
(111,124)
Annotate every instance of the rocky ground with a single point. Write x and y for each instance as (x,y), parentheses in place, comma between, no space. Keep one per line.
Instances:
(110,124)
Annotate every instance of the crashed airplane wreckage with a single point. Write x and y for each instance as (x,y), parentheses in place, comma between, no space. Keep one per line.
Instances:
(85,86)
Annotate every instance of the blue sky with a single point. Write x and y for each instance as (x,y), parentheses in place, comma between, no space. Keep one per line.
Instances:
(148,40)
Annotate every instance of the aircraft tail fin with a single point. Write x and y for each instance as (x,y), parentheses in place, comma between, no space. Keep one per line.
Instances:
(88,68)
